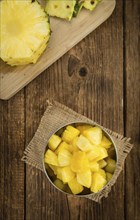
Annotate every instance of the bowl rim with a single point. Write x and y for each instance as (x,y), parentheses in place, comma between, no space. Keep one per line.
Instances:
(78,122)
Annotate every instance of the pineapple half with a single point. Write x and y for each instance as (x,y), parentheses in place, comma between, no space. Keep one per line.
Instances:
(24,31)
(60,8)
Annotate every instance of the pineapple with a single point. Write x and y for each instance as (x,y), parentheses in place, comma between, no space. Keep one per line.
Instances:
(102,163)
(94,153)
(111,165)
(25,31)
(105,142)
(84,127)
(84,178)
(60,8)
(102,173)
(53,142)
(54,168)
(94,135)
(69,134)
(78,7)
(98,182)
(64,157)
(67,174)
(79,162)
(62,146)
(59,184)
(90,4)
(108,176)
(103,154)
(75,187)
(83,144)
(94,166)
(74,145)
(51,158)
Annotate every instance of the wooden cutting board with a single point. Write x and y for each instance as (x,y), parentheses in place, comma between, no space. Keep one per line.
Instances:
(64,36)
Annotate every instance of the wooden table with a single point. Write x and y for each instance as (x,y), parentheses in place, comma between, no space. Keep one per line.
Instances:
(98,78)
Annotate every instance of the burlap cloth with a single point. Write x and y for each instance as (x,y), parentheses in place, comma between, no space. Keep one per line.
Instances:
(57,116)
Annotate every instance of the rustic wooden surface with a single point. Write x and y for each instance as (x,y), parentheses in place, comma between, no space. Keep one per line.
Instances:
(99,78)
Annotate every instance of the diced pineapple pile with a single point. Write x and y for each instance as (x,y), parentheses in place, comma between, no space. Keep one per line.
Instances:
(81,159)
(24,31)
(67,9)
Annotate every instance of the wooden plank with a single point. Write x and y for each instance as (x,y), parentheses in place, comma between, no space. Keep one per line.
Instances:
(12,168)
(132,106)
(15,78)
(85,80)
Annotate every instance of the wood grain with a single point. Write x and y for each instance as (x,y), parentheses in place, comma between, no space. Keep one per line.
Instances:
(64,36)
(132,107)
(12,169)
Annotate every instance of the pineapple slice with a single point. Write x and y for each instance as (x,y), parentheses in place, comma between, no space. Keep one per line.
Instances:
(98,182)
(59,184)
(64,158)
(111,165)
(60,8)
(91,4)
(94,166)
(94,135)
(75,187)
(102,163)
(84,127)
(51,158)
(53,142)
(102,173)
(105,142)
(108,176)
(67,174)
(62,146)
(94,153)
(79,162)
(83,144)
(69,134)
(84,178)
(103,154)
(29,32)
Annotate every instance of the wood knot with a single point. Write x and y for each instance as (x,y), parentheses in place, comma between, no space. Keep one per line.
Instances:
(83,71)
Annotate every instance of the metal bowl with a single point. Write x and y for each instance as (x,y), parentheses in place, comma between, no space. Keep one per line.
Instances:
(81,123)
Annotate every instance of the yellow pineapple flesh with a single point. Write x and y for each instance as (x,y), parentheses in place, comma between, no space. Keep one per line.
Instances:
(79,162)
(64,158)
(84,178)
(63,145)
(70,133)
(94,166)
(75,187)
(53,142)
(94,135)
(98,182)
(102,163)
(83,143)
(51,158)
(111,165)
(25,31)
(108,176)
(105,142)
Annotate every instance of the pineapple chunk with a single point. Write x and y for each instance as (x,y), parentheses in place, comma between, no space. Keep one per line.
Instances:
(105,142)
(82,128)
(84,178)
(84,144)
(74,145)
(53,142)
(94,166)
(103,154)
(94,135)
(23,38)
(79,162)
(111,165)
(98,182)
(59,184)
(51,158)
(54,168)
(60,8)
(67,174)
(108,176)
(59,173)
(90,4)
(102,173)
(94,153)
(70,133)
(62,146)
(75,187)
(102,163)
(64,158)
